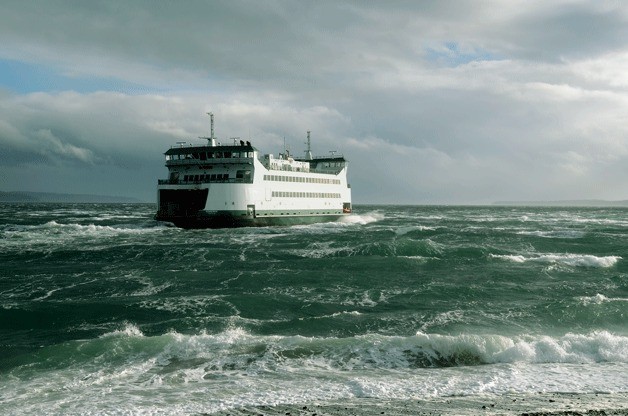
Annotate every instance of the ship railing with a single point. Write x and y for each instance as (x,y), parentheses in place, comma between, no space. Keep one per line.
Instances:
(332,156)
(193,182)
(224,160)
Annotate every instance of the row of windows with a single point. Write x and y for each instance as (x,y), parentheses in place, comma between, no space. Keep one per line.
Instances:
(210,155)
(240,174)
(206,178)
(282,194)
(281,178)
(333,164)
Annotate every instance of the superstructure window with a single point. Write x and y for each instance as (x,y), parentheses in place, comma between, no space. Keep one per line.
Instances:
(320,195)
(243,175)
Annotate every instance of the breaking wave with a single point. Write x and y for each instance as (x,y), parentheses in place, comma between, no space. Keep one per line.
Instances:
(238,350)
(238,368)
(576,260)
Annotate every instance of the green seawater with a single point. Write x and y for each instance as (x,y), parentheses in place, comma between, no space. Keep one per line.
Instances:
(104,310)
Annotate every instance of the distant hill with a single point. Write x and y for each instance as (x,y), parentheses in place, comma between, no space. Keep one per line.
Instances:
(52,197)
(566,203)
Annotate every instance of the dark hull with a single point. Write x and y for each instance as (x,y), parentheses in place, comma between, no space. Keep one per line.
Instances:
(226,220)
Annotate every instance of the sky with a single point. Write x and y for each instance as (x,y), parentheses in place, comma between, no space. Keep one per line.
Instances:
(432,102)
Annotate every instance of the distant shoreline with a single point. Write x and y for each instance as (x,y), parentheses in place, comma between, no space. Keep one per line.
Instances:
(24,196)
(565,203)
(17,196)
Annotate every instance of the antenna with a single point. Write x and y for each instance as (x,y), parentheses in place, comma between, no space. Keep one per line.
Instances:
(308,152)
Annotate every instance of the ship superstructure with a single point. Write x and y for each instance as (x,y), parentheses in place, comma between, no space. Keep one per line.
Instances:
(217,185)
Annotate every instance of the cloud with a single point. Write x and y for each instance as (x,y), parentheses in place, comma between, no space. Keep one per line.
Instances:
(432,101)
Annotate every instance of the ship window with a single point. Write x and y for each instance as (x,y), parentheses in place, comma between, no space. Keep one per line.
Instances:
(210,155)
(213,177)
(203,156)
(227,154)
(218,154)
(243,174)
(226,176)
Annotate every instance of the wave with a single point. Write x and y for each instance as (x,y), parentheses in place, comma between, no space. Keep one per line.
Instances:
(363,219)
(129,330)
(236,349)
(575,260)
(56,228)
(595,347)
(205,373)
(598,299)
(47,236)
(564,234)
(403,247)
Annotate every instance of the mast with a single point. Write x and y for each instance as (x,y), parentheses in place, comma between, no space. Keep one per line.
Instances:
(211,138)
(308,151)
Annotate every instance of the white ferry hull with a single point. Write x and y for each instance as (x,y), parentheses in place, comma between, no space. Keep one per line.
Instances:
(228,219)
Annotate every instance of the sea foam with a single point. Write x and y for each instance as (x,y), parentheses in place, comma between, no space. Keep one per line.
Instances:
(575,260)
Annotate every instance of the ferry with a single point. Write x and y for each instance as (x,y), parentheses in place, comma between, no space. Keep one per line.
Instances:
(233,185)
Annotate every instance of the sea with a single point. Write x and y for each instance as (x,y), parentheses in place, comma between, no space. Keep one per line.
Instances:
(104,310)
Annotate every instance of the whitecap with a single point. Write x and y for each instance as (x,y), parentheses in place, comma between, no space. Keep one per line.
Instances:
(363,219)
(598,299)
(575,260)
(129,330)
(566,234)
(601,346)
